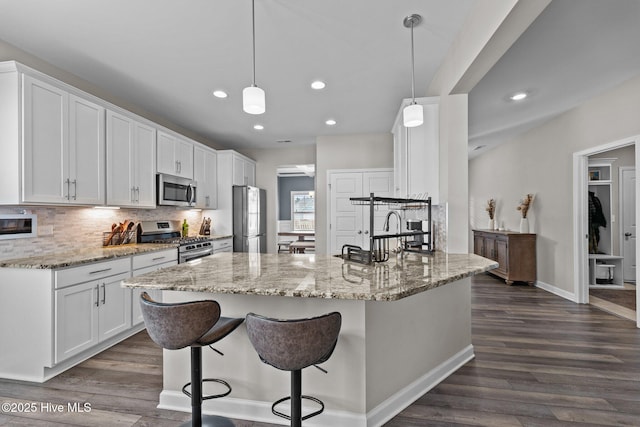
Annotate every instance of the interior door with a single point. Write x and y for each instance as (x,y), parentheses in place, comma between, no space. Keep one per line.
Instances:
(345,222)
(628,222)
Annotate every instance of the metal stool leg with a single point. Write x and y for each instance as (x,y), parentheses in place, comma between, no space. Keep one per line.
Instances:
(296,398)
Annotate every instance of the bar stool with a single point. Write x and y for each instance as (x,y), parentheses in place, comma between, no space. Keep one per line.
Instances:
(189,324)
(292,345)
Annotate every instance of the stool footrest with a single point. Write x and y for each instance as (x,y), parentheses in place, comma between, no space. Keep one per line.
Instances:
(211,396)
(305,417)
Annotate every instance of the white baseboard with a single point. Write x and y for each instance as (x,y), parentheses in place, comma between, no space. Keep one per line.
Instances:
(259,411)
(557,291)
(403,398)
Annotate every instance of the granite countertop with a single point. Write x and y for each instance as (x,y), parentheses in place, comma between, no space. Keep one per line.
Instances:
(88,255)
(314,276)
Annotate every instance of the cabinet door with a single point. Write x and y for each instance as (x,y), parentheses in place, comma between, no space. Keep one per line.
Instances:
(422,157)
(86,152)
(205,174)
(120,183)
(114,314)
(490,248)
(144,165)
(400,168)
(76,327)
(166,157)
(184,156)
(502,256)
(156,294)
(250,172)
(45,142)
(238,171)
(478,244)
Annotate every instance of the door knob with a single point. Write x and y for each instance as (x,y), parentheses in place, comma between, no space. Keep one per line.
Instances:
(627,235)
(359,231)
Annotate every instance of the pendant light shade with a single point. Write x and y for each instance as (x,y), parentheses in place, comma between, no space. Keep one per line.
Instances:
(412,115)
(253,98)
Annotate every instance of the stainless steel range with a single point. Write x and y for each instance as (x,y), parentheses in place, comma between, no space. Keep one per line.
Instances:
(189,248)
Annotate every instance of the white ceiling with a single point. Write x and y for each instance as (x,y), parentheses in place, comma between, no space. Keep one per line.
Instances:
(167,56)
(575,50)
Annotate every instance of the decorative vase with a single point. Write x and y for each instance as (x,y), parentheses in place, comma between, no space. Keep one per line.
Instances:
(524,225)
(492,224)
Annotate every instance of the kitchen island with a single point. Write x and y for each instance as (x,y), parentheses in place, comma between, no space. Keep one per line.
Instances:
(406,326)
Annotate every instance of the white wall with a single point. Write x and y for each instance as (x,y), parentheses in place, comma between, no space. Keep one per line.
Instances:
(361,151)
(267,163)
(540,162)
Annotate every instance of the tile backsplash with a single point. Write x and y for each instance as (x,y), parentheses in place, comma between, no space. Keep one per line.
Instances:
(65,228)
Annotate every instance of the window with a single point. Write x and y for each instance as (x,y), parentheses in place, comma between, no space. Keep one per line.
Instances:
(303,210)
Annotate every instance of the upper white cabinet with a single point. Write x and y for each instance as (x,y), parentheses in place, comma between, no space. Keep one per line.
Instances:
(205,174)
(243,170)
(175,155)
(130,162)
(415,154)
(58,134)
(233,169)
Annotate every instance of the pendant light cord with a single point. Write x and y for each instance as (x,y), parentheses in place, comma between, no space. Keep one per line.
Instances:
(253,21)
(413,77)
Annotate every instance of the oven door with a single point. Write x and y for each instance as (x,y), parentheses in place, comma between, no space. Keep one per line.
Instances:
(192,255)
(175,191)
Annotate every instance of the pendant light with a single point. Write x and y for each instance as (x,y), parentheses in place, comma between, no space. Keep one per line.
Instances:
(253,101)
(412,115)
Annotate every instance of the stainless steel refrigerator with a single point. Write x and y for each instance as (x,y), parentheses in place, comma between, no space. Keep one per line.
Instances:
(249,219)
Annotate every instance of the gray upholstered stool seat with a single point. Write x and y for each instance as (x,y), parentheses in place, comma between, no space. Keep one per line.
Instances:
(189,324)
(292,345)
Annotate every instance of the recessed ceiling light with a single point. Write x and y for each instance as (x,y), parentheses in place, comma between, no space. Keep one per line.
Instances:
(318,84)
(220,94)
(258,127)
(518,96)
(330,122)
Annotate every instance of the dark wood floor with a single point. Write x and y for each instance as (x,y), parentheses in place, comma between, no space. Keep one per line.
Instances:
(540,361)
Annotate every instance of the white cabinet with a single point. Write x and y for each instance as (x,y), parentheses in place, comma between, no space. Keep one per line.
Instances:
(415,154)
(244,171)
(233,169)
(61,143)
(146,263)
(205,174)
(175,155)
(222,245)
(130,162)
(89,312)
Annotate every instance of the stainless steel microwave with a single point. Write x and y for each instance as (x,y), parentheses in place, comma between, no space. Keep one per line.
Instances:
(176,191)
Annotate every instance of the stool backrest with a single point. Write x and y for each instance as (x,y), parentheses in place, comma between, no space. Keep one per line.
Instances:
(291,345)
(178,325)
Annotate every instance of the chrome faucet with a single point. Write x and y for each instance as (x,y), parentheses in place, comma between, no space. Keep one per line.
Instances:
(385,227)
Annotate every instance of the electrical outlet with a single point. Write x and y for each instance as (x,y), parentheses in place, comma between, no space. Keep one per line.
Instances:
(45,230)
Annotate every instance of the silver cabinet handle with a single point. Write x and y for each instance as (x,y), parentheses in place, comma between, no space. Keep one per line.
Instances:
(104,294)
(99,271)
(68,182)
(158,258)
(133,194)
(97,295)
(75,189)
(207,201)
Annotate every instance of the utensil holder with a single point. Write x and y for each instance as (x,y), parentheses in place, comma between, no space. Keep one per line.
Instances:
(110,239)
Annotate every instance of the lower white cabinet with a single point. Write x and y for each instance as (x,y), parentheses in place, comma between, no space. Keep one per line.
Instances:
(222,245)
(89,313)
(147,263)
(54,319)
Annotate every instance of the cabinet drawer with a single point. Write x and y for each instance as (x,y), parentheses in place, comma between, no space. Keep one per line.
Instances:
(98,270)
(222,244)
(154,258)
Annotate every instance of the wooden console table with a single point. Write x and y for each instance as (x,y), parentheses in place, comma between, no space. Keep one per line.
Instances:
(515,252)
